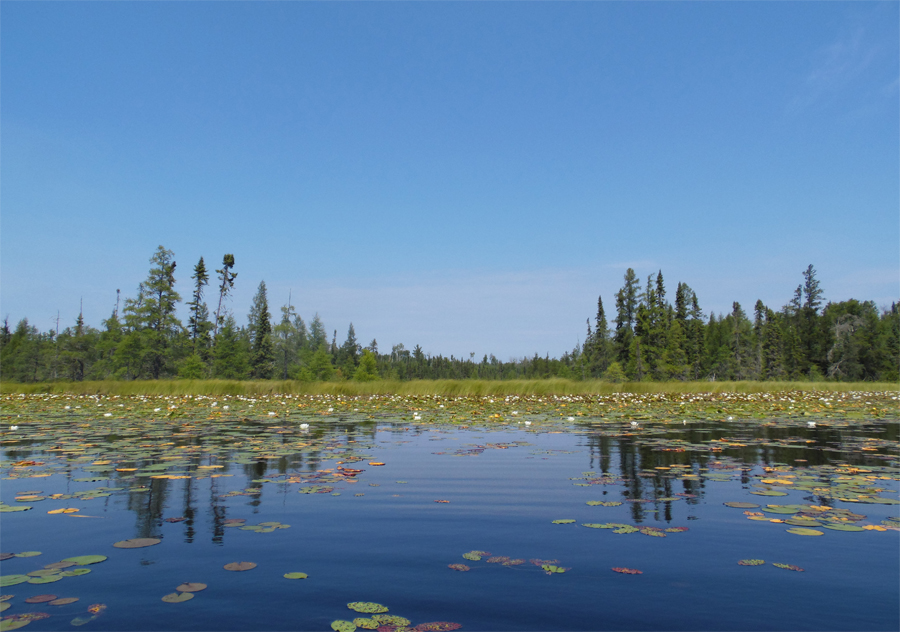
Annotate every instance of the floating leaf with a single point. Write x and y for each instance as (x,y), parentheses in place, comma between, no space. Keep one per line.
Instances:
(550,569)
(789,567)
(627,571)
(738,505)
(367,607)
(28,554)
(59,565)
(190,587)
(751,562)
(45,580)
(838,526)
(77,621)
(566,521)
(85,560)
(12,580)
(342,626)
(390,619)
(366,624)
(239,566)
(136,543)
(63,511)
(178,597)
(75,572)
(437,626)
(63,601)
(295,575)
(459,567)
(96,608)
(769,492)
(804,531)
(41,598)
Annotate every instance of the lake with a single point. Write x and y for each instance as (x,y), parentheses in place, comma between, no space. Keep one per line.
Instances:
(622,512)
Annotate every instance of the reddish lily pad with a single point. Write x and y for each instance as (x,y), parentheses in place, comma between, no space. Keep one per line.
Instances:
(190,587)
(627,571)
(459,567)
(137,543)
(240,566)
(63,601)
(41,598)
(789,567)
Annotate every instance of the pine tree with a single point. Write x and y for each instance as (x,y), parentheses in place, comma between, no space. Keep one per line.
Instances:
(287,344)
(348,354)
(600,352)
(198,323)
(262,351)
(231,355)
(227,277)
(626,308)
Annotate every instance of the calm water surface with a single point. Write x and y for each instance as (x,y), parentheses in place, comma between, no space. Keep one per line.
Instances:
(380,536)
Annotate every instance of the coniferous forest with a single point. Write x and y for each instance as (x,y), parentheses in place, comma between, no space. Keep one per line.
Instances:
(647,337)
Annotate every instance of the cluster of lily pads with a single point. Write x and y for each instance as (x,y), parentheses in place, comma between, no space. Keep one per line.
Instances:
(757,562)
(386,622)
(550,567)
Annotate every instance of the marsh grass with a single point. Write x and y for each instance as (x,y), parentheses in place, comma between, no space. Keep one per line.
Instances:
(449,388)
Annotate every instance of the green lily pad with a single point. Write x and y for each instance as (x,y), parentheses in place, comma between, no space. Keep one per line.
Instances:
(366,624)
(12,580)
(769,492)
(78,621)
(789,567)
(178,597)
(776,509)
(75,572)
(342,626)
(804,531)
(391,619)
(191,587)
(10,509)
(839,526)
(563,521)
(740,505)
(751,562)
(295,575)
(45,580)
(367,607)
(84,560)
(550,569)
(803,522)
(13,624)
(240,566)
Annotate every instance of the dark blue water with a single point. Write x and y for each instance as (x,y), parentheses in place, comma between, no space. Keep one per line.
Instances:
(393,543)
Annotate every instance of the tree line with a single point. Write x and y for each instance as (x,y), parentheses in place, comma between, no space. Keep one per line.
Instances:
(650,339)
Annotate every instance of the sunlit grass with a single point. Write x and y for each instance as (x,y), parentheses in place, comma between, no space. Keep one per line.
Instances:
(453,388)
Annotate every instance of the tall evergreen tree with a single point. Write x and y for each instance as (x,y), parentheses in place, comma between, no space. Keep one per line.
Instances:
(227,277)
(262,350)
(626,308)
(198,323)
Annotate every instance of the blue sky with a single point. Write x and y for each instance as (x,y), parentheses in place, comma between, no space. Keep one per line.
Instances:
(464,176)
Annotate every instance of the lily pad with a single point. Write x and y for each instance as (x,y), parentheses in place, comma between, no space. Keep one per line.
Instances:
(367,607)
(804,531)
(627,571)
(12,580)
(789,567)
(390,619)
(64,601)
(769,492)
(190,587)
(550,569)
(28,554)
(342,626)
(137,543)
(839,526)
(295,575)
(45,580)
(178,597)
(751,562)
(366,624)
(240,566)
(78,621)
(740,505)
(459,567)
(75,572)
(41,598)
(566,521)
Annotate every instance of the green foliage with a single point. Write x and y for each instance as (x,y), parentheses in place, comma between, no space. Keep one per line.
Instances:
(368,368)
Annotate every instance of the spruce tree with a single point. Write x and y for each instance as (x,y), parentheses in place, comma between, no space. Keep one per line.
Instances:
(198,323)
(227,277)
(262,351)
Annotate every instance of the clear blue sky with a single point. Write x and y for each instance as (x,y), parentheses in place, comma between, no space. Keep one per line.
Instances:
(465,176)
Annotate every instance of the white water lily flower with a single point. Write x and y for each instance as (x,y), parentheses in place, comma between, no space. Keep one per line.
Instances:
(107,414)
(13,427)
(271,414)
(156,410)
(571,418)
(304,426)
(226,407)
(810,424)
(527,423)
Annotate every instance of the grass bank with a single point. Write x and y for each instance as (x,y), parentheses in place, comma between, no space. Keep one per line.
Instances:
(451,388)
